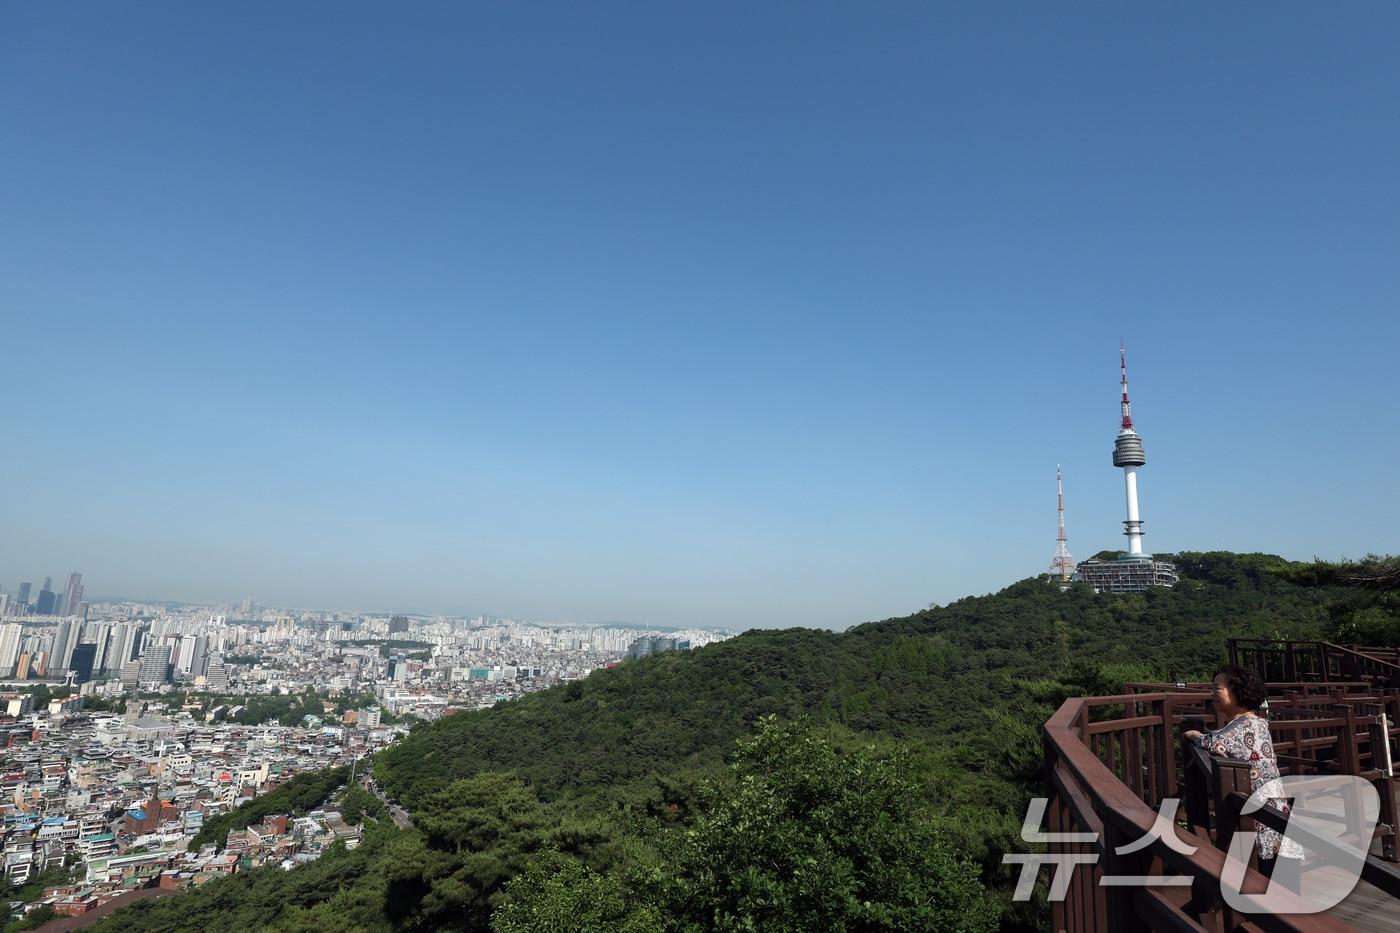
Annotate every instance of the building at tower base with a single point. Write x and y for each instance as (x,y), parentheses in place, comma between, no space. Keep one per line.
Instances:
(1128,573)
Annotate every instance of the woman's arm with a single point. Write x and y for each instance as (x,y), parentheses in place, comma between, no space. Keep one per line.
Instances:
(1196,737)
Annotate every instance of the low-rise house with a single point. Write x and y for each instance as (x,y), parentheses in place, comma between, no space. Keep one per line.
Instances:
(75,905)
(19,864)
(98,845)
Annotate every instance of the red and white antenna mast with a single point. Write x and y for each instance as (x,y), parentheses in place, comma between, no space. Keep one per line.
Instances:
(1062,565)
(1127,405)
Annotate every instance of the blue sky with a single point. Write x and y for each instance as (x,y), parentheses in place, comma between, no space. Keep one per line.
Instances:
(724,314)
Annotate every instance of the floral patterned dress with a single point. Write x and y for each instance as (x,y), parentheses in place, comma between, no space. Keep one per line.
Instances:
(1247,738)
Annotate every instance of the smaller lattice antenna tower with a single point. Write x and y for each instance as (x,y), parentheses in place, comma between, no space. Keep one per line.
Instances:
(1062,565)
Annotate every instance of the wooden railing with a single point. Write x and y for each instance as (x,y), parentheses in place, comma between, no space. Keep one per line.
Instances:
(1344,723)
(1315,661)
(1331,728)
(1109,762)
(1319,688)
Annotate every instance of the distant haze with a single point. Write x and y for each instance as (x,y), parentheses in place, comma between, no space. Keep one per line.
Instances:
(736,315)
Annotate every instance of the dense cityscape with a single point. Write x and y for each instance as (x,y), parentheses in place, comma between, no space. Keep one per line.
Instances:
(130,728)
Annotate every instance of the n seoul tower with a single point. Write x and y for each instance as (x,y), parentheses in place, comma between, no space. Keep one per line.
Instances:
(1133,572)
(1127,453)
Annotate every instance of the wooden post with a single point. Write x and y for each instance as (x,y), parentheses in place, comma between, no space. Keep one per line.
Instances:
(1118,901)
(1167,753)
(1349,750)
(1054,817)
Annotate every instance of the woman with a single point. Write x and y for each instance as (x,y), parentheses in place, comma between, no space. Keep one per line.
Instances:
(1238,695)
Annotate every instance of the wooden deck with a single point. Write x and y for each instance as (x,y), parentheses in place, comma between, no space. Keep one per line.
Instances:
(1368,908)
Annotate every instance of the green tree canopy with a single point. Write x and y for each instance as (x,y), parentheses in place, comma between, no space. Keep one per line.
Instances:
(558,894)
(801,838)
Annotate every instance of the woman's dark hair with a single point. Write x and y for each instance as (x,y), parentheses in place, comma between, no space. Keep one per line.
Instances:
(1245,686)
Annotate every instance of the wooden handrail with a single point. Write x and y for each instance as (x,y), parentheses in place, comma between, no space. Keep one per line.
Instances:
(1314,660)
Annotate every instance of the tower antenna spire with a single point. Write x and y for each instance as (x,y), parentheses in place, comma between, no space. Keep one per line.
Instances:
(1061,565)
(1123,369)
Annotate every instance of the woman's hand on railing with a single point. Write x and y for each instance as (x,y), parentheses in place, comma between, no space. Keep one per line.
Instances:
(1190,735)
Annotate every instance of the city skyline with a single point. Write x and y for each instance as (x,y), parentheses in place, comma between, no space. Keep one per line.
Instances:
(16,608)
(125,737)
(717,316)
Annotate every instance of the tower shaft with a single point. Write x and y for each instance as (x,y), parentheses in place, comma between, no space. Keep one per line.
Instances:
(1132,526)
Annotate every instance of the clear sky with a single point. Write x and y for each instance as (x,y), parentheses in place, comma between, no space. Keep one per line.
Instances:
(747,314)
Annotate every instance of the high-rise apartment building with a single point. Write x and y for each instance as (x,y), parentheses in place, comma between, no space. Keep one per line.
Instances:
(122,647)
(184,657)
(63,644)
(82,663)
(89,635)
(10,635)
(398,669)
(217,678)
(73,594)
(22,597)
(155,665)
(201,656)
(109,661)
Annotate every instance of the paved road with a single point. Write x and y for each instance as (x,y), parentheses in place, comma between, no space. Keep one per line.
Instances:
(396,813)
(399,815)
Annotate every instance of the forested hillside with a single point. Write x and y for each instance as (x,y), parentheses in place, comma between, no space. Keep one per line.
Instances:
(659,796)
(936,673)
